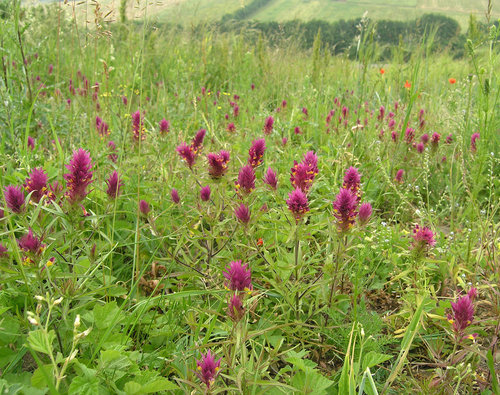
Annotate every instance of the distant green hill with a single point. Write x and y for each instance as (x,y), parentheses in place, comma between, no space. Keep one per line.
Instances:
(187,12)
(193,11)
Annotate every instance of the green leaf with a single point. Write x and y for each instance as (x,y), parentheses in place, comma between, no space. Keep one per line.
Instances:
(159,384)
(105,314)
(373,358)
(491,366)
(39,379)
(39,341)
(410,334)
(84,386)
(132,388)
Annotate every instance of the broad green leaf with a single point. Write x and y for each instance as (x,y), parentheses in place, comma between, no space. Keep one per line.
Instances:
(41,342)
(373,358)
(84,386)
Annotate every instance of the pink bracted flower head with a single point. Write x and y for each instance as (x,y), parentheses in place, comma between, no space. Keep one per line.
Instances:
(462,315)
(420,148)
(197,143)
(365,213)
(270,178)
(31,143)
(256,152)
(311,160)
(344,209)
(79,176)
(231,127)
(242,213)
(187,154)
(399,176)
(144,207)
(164,126)
(14,196)
(423,237)
(238,277)
(114,184)
(138,126)
(449,139)
(235,309)
(36,184)
(31,245)
(435,139)
(473,139)
(409,135)
(268,125)
(205,193)
(102,127)
(175,196)
(217,163)
(424,138)
(298,204)
(246,180)
(352,182)
(208,368)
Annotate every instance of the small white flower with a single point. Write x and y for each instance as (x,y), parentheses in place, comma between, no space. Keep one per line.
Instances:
(77,321)
(58,301)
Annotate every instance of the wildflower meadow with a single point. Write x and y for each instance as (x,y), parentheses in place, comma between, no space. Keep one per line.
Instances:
(197,210)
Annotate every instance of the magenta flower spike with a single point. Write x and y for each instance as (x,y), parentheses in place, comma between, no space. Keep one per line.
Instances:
(197,143)
(205,193)
(243,214)
(14,196)
(164,126)
(238,277)
(268,125)
(473,140)
(114,184)
(399,176)
(256,152)
(365,213)
(344,209)
(462,315)
(36,184)
(298,204)
(217,163)
(409,135)
(31,245)
(235,309)
(208,369)
(31,143)
(246,180)
(270,178)
(423,238)
(138,126)
(175,196)
(79,176)
(144,207)
(352,182)
(187,154)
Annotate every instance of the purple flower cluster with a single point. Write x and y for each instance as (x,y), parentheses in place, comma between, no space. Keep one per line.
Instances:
(79,176)
(256,152)
(217,163)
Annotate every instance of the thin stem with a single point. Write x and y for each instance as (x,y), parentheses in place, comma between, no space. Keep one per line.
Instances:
(297,271)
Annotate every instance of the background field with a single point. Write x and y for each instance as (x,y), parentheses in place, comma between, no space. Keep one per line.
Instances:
(189,12)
